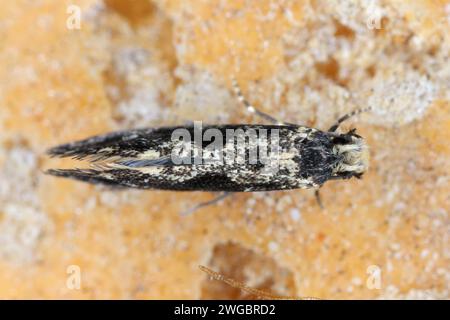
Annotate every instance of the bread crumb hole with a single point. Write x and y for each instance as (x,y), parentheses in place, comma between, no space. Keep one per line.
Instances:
(136,11)
(329,69)
(343,31)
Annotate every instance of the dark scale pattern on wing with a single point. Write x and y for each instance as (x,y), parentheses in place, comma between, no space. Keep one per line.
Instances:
(134,179)
(132,143)
(123,144)
(313,152)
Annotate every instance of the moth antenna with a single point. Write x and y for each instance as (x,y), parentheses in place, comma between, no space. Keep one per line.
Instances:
(250,108)
(255,292)
(347,116)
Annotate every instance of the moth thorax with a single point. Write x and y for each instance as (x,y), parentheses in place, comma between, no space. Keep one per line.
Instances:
(354,156)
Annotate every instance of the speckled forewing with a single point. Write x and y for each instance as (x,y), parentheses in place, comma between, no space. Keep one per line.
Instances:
(143,159)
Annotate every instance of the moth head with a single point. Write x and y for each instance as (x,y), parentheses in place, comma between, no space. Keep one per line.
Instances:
(352,153)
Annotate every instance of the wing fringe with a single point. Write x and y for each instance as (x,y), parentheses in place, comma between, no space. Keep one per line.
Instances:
(86,175)
(101,147)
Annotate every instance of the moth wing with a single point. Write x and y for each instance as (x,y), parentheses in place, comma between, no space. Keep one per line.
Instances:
(117,145)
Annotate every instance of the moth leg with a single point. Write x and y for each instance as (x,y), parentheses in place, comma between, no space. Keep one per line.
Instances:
(250,108)
(206,203)
(347,116)
(318,199)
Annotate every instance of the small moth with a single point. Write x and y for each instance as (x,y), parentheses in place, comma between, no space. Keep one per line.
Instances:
(219,159)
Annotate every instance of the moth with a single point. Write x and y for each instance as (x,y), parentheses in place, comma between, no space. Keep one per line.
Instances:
(156,158)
